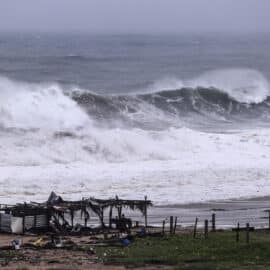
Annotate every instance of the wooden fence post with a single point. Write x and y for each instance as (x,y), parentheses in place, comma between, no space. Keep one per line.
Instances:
(247,232)
(206,229)
(237,232)
(269,220)
(195,228)
(213,222)
(175,224)
(145,211)
(163,227)
(171,224)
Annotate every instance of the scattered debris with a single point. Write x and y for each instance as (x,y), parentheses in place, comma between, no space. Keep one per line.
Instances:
(57,215)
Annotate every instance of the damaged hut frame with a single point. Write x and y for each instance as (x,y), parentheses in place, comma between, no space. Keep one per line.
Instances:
(64,217)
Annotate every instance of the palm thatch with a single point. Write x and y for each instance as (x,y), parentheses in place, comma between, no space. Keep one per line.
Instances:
(56,207)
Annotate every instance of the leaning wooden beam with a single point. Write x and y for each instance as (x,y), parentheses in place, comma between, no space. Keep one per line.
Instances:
(110,217)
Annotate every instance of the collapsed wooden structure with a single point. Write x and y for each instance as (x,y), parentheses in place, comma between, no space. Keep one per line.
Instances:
(60,216)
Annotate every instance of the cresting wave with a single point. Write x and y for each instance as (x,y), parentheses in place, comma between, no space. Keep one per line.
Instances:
(215,97)
(226,96)
(171,108)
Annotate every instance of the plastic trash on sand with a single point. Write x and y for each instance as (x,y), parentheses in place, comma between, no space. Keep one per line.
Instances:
(16,243)
(125,241)
(143,231)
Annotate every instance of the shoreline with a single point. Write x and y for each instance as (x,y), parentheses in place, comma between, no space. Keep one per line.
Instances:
(228,212)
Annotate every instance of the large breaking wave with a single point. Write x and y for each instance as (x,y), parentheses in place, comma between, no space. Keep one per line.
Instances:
(46,124)
(218,97)
(215,97)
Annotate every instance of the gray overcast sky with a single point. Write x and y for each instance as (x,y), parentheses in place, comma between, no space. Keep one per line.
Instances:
(136,15)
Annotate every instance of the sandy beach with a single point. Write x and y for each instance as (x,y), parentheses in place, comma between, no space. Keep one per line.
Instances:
(228,213)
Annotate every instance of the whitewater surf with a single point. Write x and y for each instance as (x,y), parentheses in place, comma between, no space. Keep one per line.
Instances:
(77,141)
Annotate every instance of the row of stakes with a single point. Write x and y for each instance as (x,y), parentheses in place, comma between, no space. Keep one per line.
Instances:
(247,229)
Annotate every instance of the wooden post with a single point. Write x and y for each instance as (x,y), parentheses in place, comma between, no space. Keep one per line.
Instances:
(102,217)
(206,229)
(119,208)
(195,228)
(247,232)
(213,222)
(72,217)
(145,212)
(175,224)
(110,217)
(171,224)
(23,224)
(269,220)
(237,232)
(163,227)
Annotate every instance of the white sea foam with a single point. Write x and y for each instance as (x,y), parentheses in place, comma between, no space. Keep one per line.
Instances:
(176,165)
(183,166)
(244,85)
(43,106)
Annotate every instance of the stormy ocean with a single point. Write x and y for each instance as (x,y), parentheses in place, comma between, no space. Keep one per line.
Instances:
(178,118)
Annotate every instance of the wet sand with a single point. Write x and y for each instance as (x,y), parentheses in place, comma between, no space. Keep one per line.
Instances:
(228,213)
